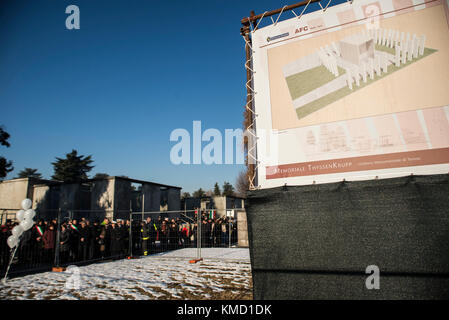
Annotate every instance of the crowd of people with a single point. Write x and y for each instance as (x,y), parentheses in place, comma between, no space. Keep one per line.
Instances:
(85,240)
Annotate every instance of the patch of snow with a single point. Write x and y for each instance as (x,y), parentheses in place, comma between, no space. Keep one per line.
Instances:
(225,273)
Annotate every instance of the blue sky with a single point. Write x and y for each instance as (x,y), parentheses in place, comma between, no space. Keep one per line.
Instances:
(116,88)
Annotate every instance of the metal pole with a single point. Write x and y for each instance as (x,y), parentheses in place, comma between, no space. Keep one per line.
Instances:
(143,205)
(253,18)
(56,261)
(230,232)
(10,262)
(130,244)
(198,230)
(248,115)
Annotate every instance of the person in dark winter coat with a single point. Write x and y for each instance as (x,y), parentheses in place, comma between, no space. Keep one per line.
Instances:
(37,246)
(49,243)
(102,242)
(124,230)
(84,240)
(164,235)
(91,243)
(144,237)
(173,236)
(64,244)
(115,240)
(74,240)
(96,230)
(4,249)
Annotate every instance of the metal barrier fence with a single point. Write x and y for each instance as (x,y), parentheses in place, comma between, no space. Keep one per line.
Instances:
(155,232)
(66,237)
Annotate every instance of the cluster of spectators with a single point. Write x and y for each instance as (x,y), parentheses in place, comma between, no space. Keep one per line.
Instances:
(78,241)
(83,240)
(171,234)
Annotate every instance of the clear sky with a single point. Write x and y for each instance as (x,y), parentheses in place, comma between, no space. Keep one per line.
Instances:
(116,88)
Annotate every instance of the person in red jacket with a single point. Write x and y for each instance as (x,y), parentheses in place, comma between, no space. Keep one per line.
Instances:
(48,239)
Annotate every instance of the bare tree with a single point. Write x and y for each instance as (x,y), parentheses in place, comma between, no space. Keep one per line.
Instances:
(242,184)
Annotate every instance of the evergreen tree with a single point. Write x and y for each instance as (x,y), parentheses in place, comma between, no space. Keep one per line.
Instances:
(5,165)
(199,193)
(101,176)
(217,190)
(29,173)
(228,189)
(185,195)
(73,168)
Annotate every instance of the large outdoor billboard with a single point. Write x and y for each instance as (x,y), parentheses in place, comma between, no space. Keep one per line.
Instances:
(355,92)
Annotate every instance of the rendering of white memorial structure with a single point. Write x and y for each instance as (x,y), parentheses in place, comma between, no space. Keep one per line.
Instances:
(352,63)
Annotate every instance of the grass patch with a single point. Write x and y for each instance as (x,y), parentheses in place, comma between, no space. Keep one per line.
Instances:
(301,83)
(341,93)
(379,47)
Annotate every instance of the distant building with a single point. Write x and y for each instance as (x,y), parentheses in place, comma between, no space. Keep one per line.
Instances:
(224,206)
(111,197)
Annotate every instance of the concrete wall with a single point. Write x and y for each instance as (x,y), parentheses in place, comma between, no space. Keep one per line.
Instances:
(41,197)
(242,229)
(12,192)
(191,203)
(69,197)
(122,194)
(152,197)
(220,204)
(102,197)
(113,195)
(174,199)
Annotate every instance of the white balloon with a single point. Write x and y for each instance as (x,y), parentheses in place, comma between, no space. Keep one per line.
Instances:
(12,241)
(26,224)
(17,231)
(26,204)
(20,215)
(29,214)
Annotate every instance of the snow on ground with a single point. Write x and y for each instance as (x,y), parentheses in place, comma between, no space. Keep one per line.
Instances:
(225,273)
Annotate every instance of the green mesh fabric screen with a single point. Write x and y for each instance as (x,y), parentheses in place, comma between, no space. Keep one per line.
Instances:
(316,241)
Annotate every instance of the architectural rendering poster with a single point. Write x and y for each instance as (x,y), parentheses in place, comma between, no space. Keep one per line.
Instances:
(354,92)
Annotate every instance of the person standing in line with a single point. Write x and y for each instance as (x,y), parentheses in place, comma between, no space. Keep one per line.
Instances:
(102,242)
(37,244)
(48,239)
(74,240)
(164,235)
(115,240)
(84,238)
(145,237)
(64,241)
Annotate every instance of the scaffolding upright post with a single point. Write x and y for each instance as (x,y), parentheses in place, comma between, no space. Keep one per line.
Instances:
(143,205)
(130,244)
(198,252)
(58,237)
